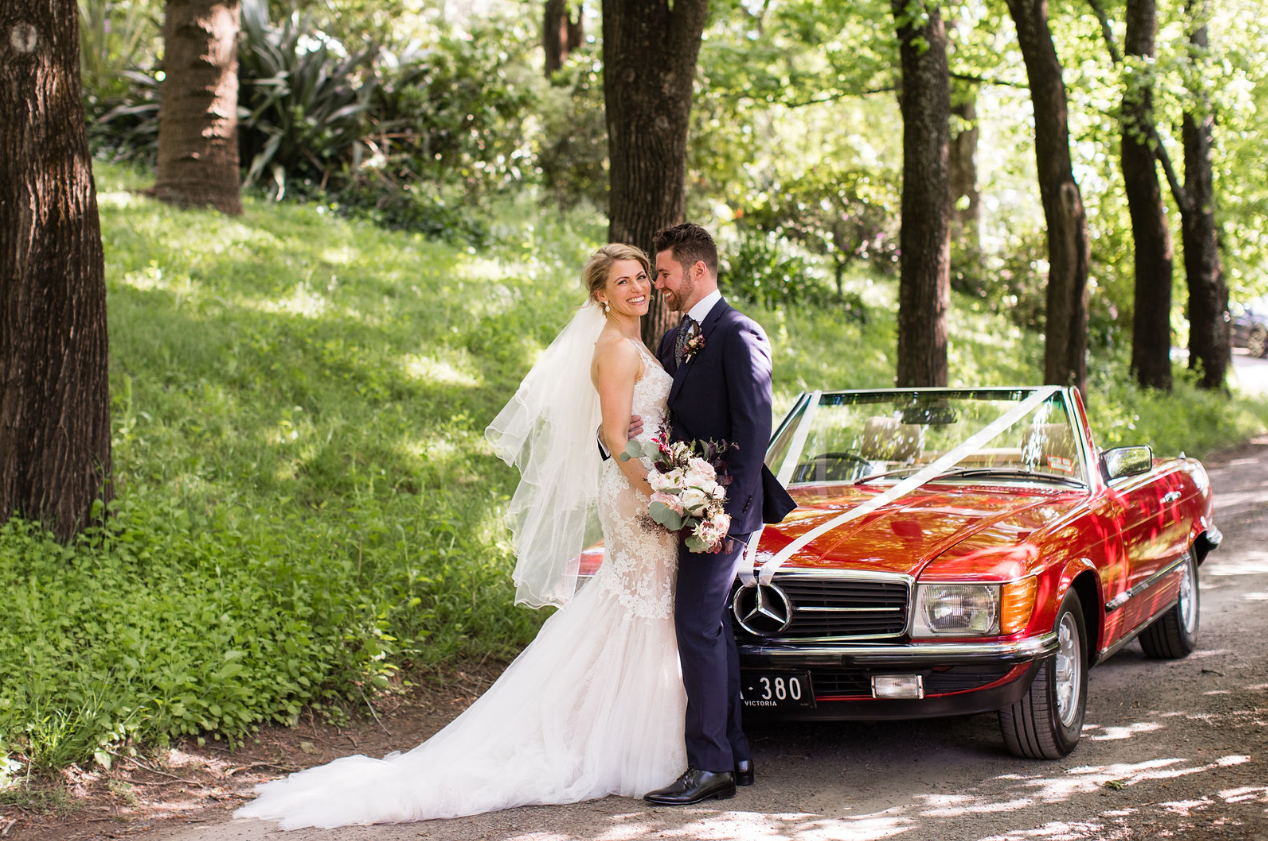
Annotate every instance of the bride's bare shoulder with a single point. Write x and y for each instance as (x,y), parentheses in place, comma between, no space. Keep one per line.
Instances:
(615,356)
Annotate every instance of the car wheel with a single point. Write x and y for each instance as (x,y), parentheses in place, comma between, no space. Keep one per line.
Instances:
(1047,721)
(1257,341)
(1175,634)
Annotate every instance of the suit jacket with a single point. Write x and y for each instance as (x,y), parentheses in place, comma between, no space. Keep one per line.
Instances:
(724,392)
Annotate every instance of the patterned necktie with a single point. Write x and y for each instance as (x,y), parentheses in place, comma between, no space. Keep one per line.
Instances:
(680,341)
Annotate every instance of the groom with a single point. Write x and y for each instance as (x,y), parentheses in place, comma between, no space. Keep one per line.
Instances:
(721,364)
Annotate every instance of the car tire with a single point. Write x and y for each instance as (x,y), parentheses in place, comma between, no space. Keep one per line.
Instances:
(1047,721)
(1175,634)
(1257,341)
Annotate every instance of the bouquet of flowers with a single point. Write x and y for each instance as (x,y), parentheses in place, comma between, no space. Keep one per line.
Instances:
(688,488)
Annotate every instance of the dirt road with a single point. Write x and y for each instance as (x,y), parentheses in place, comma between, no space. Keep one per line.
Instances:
(1170,749)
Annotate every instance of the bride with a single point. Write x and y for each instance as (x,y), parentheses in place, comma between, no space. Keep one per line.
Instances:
(595,704)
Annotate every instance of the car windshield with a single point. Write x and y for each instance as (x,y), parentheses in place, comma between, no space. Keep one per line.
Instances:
(884,436)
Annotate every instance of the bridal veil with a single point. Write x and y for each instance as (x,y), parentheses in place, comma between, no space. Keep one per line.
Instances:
(548,431)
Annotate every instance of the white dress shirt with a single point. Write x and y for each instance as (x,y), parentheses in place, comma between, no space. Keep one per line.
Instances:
(703,307)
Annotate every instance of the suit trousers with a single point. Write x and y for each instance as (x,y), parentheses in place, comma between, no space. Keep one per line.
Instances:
(710,663)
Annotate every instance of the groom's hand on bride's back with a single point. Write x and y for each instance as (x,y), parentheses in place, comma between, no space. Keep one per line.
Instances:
(636,427)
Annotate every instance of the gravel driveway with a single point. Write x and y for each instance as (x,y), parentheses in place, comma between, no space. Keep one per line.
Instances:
(1170,749)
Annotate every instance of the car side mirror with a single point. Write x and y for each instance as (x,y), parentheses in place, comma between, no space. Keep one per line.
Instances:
(1126,461)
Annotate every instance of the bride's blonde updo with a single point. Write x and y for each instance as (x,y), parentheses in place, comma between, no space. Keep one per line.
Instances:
(595,275)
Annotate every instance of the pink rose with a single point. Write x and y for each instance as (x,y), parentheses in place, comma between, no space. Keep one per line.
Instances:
(669,501)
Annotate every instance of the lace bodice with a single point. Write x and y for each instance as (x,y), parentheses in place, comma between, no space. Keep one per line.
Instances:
(641,557)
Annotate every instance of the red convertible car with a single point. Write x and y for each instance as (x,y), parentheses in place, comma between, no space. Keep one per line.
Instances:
(959,551)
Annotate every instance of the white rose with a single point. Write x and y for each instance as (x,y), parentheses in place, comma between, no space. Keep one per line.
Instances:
(706,484)
(694,500)
(719,492)
(659,481)
(701,467)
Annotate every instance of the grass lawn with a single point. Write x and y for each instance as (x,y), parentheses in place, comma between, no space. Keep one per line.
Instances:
(306,503)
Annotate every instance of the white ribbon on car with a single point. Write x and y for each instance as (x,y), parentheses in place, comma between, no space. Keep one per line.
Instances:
(901,489)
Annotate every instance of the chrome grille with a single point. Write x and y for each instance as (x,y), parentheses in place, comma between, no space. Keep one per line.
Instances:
(835,606)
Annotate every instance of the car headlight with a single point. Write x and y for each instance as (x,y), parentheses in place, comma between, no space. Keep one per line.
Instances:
(956,610)
(973,610)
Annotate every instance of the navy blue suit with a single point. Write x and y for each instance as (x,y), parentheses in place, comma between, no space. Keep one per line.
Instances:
(723,392)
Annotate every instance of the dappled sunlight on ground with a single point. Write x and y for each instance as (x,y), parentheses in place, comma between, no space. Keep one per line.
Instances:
(439,371)
(339,256)
(1109,734)
(1248,563)
(1060,831)
(303,301)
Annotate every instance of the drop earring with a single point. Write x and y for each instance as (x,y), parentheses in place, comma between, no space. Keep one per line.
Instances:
(606,309)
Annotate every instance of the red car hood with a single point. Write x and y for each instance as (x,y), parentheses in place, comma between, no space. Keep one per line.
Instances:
(907,534)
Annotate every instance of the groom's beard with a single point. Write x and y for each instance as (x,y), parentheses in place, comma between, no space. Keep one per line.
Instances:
(676,299)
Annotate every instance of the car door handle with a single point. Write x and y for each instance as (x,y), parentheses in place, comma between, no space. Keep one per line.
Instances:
(1170,497)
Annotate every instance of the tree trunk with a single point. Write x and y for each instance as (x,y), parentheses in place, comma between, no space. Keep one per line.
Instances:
(1065,345)
(924,287)
(1151,326)
(966,207)
(560,34)
(966,212)
(574,31)
(552,35)
(54,390)
(1208,296)
(198,120)
(649,65)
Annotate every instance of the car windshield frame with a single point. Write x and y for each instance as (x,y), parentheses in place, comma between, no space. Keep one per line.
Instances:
(1043,447)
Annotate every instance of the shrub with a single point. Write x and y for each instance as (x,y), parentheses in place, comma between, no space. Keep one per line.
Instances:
(573,153)
(761,270)
(843,214)
(304,99)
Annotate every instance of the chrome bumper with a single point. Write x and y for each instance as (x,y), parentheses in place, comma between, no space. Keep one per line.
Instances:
(915,655)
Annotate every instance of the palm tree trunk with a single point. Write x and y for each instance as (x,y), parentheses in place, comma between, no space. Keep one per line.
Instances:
(198,120)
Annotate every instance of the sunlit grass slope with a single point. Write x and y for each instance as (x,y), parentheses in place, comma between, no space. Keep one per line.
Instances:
(305,498)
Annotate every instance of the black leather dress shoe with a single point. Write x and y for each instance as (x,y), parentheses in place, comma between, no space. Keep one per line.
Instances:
(693,787)
(744,772)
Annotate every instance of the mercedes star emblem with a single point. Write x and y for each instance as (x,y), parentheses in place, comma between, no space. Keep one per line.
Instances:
(763,610)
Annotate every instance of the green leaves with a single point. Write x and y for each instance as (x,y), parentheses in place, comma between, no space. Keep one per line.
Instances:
(639,449)
(666,516)
(695,544)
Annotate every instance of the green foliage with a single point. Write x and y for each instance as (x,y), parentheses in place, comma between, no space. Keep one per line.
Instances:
(1189,420)
(761,270)
(115,36)
(128,131)
(416,138)
(304,98)
(845,214)
(455,110)
(573,141)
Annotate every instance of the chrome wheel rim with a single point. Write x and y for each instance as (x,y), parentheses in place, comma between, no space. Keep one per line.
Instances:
(1188,599)
(1069,670)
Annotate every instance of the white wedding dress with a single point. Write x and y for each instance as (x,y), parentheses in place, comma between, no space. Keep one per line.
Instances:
(593,706)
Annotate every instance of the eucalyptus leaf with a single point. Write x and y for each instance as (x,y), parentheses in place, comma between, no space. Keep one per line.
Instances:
(695,544)
(666,516)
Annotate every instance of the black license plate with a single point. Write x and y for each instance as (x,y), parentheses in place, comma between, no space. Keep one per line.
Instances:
(776,690)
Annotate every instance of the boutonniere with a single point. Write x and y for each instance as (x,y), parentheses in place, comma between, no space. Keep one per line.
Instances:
(693,346)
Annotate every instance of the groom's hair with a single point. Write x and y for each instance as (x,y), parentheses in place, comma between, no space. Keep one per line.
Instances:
(688,243)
